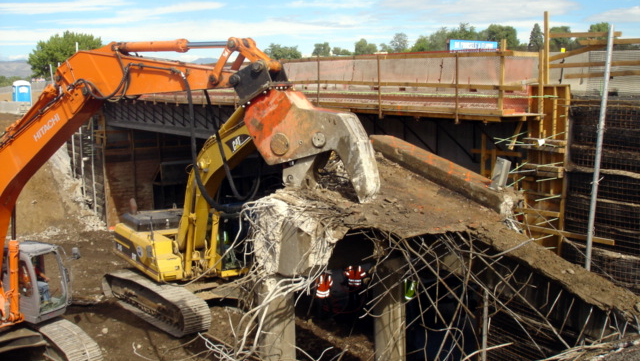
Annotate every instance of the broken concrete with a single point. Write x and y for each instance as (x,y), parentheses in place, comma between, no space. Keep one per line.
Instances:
(446,173)
(307,225)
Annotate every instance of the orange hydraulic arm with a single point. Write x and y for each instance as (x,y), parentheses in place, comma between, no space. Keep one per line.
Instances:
(83,83)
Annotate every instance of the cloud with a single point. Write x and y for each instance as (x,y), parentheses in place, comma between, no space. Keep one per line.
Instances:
(329,4)
(623,15)
(473,11)
(132,16)
(193,31)
(38,8)
(183,7)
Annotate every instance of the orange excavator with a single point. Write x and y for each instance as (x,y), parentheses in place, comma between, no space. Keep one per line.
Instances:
(175,245)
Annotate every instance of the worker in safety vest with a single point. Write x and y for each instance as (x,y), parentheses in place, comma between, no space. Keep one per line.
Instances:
(354,277)
(24,281)
(409,289)
(323,291)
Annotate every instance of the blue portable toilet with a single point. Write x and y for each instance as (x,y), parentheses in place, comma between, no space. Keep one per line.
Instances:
(22,91)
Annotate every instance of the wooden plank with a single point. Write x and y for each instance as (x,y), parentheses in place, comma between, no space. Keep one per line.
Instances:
(540,212)
(425,55)
(547,42)
(457,119)
(544,148)
(503,153)
(436,115)
(554,112)
(571,53)
(529,192)
(501,80)
(409,108)
(571,235)
(595,63)
(584,35)
(514,140)
(553,142)
(604,42)
(483,152)
(601,74)
(544,168)
(541,69)
(507,87)
(565,95)
(524,54)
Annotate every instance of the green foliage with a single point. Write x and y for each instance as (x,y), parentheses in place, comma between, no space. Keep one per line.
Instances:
(4,81)
(363,47)
(57,49)
(337,51)
(498,32)
(422,44)
(463,32)
(556,44)
(322,49)
(599,28)
(438,40)
(399,43)
(277,51)
(385,48)
(536,38)
(603,27)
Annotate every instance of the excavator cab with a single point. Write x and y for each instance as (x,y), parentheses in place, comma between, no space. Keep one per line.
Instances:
(44,293)
(43,281)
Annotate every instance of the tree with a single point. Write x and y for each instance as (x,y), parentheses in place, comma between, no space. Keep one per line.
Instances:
(498,32)
(57,49)
(337,51)
(399,43)
(536,39)
(8,81)
(558,43)
(602,27)
(385,48)
(463,32)
(438,40)
(322,49)
(363,47)
(277,51)
(422,44)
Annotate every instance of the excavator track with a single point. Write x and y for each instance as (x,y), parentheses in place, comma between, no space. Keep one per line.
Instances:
(170,308)
(68,342)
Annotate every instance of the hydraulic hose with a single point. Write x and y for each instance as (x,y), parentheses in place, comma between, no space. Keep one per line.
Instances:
(256,182)
(194,157)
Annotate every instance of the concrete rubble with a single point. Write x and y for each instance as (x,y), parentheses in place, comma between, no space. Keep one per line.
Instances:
(296,232)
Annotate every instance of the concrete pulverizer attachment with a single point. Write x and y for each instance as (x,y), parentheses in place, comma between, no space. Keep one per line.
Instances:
(304,136)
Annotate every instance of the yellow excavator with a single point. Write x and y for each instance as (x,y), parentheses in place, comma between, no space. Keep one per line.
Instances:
(177,245)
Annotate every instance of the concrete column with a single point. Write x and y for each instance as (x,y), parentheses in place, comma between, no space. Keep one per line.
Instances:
(278,334)
(390,323)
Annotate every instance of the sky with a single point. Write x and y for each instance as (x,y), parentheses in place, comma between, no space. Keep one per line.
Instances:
(300,23)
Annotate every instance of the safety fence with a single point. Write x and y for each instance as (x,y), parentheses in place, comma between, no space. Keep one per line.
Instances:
(456,84)
(624,65)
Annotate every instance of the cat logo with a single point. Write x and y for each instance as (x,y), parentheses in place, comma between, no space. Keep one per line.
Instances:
(237,142)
